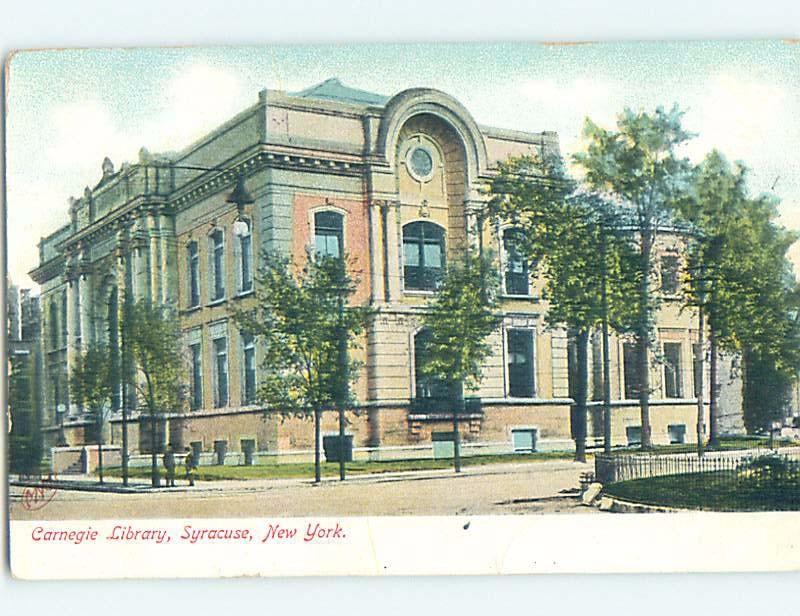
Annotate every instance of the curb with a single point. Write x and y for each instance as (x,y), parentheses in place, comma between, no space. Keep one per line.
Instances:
(612,504)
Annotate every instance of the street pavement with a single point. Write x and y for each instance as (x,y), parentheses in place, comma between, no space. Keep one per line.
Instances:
(527,488)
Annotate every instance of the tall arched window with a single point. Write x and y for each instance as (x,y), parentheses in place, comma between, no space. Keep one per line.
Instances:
(516,275)
(244,256)
(423,255)
(427,387)
(53,318)
(193,263)
(329,234)
(217,245)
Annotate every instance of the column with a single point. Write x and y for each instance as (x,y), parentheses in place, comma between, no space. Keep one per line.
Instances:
(154,250)
(85,308)
(393,241)
(377,291)
(472,231)
(169,260)
(73,319)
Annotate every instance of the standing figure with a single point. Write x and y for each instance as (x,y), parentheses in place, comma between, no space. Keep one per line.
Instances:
(188,461)
(169,465)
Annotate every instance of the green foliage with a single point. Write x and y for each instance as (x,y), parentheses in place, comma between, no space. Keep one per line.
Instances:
(638,163)
(25,441)
(92,384)
(566,234)
(740,273)
(766,391)
(153,338)
(460,317)
(297,318)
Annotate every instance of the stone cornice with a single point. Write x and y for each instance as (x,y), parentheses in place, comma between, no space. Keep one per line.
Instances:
(48,270)
(113,221)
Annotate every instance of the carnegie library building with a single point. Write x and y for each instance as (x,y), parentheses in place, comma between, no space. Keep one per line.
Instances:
(398,183)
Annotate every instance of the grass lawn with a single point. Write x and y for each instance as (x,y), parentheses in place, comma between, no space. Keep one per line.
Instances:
(331,469)
(712,491)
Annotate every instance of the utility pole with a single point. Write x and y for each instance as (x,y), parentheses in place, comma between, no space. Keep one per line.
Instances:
(700,376)
(343,393)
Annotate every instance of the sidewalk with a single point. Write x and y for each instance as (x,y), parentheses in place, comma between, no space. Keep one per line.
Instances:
(89,483)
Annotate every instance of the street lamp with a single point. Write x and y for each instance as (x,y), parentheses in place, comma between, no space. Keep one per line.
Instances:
(241,197)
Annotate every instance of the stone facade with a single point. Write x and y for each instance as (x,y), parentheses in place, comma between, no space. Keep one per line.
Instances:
(402,181)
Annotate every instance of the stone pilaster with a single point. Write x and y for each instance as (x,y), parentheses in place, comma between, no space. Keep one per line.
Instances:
(392,247)
(378,288)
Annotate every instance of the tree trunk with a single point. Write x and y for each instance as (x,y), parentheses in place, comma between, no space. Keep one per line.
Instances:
(317,439)
(643,339)
(154,476)
(458,408)
(581,393)
(713,407)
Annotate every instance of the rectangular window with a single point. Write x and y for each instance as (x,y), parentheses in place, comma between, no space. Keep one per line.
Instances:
(634,435)
(194,274)
(677,434)
(672,370)
(249,369)
(524,440)
(217,265)
(516,274)
(520,363)
(246,260)
(221,372)
(197,376)
(669,275)
(423,256)
(631,369)
(328,234)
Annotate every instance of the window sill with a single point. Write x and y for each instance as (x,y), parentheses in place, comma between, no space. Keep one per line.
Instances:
(242,294)
(418,292)
(192,309)
(512,296)
(217,302)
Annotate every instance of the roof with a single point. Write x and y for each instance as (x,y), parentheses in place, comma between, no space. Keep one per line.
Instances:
(334,90)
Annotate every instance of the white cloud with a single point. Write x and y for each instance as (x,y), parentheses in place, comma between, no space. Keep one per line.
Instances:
(198,98)
(75,137)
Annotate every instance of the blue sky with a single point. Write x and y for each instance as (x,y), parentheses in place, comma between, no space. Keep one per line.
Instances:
(66,110)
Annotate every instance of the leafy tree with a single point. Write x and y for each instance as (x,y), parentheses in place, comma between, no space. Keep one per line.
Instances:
(578,243)
(25,441)
(153,340)
(302,318)
(639,164)
(92,387)
(460,317)
(740,275)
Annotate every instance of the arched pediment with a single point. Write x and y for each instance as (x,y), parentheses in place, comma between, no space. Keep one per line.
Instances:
(415,101)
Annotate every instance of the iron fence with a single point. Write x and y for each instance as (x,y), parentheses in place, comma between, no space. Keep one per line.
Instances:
(745,481)
(615,468)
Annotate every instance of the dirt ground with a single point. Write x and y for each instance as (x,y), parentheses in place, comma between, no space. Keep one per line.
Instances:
(546,487)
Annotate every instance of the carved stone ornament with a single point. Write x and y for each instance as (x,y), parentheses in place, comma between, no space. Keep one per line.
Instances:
(108,167)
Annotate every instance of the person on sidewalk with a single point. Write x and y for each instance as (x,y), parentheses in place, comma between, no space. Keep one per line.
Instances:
(169,465)
(188,462)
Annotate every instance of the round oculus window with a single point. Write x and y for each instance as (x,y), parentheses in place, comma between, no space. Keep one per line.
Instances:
(420,163)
